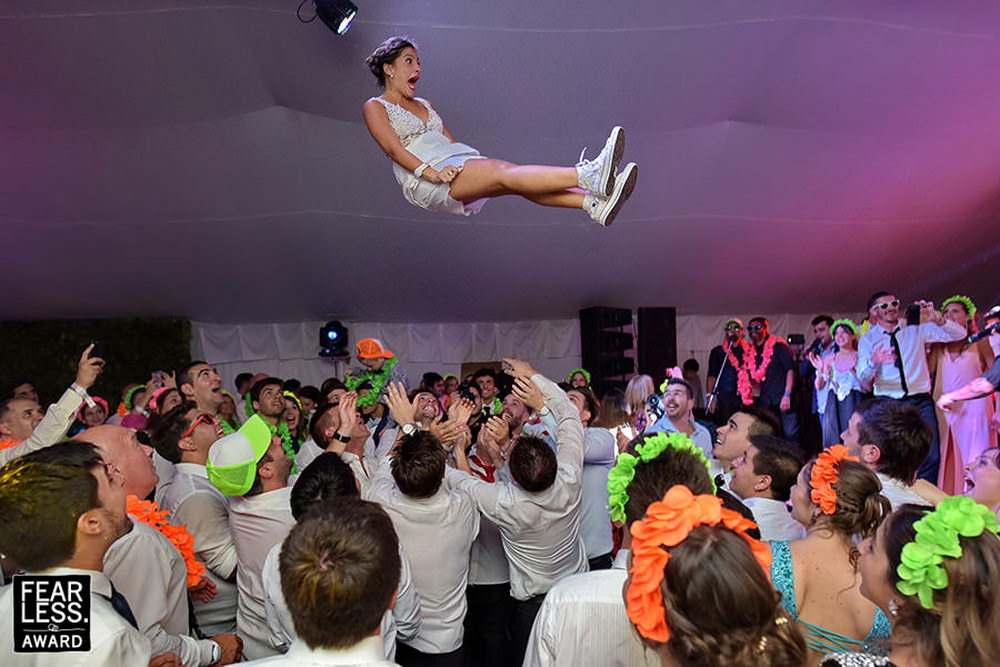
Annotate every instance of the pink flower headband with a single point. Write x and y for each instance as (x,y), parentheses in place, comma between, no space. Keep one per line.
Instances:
(97,399)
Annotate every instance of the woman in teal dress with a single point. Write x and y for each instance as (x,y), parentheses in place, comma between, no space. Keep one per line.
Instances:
(839,501)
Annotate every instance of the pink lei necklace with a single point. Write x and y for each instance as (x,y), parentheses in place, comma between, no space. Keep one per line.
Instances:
(748,369)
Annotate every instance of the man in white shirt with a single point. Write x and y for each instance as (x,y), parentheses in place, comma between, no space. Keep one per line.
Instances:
(71,541)
(894,358)
(582,620)
(436,526)
(250,466)
(183,436)
(678,403)
(147,568)
(538,514)
(25,428)
(763,479)
(339,572)
(892,438)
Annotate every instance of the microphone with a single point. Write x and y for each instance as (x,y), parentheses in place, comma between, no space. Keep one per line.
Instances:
(984,333)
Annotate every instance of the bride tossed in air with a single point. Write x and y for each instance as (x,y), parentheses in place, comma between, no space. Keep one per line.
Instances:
(438,173)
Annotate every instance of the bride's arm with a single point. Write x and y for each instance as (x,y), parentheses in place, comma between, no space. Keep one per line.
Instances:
(377,120)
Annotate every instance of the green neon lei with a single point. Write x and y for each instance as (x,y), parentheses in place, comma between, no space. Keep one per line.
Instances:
(622,474)
(287,444)
(130,396)
(844,323)
(378,380)
(970,307)
(582,371)
(921,570)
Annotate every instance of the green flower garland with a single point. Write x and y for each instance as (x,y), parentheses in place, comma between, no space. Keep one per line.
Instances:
(130,395)
(248,406)
(377,379)
(583,371)
(226,426)
(844,323)
(920,568)
(622,474)
(287,443)
(970,307)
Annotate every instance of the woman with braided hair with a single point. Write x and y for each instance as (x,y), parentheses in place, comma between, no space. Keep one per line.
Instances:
(839,501)
(934,573)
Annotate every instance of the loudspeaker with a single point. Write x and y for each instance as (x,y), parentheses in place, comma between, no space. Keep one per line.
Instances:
(603,345)
(657,346)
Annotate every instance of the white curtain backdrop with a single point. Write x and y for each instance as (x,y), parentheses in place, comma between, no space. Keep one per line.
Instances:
(288,350)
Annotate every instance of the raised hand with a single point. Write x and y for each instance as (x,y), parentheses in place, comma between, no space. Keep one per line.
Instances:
(519,369)
(88,369)
(460,409)
(402,410)
(499,430)
(447,432)
(814,359)
(526,390)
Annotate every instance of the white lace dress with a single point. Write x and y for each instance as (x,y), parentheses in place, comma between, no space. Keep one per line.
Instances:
(426,140)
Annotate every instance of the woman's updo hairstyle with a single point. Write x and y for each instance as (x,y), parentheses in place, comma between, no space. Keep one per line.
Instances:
(721,607)
(385,54)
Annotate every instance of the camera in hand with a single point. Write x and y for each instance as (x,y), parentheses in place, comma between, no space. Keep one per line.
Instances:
(98,351)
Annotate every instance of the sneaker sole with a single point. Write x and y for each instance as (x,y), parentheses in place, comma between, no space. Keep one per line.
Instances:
(627,180)
(618,135)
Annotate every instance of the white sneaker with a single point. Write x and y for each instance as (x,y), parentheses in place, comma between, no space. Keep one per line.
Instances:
(597,176)
(605,209)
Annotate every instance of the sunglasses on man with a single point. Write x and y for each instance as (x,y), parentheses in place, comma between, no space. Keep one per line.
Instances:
(887,304)
(755,327)
(734,327)
(203,418)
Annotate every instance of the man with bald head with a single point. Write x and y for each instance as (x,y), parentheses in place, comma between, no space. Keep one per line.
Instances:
(146,567)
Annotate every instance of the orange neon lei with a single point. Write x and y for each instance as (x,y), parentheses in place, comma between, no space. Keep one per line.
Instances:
(7,443)
(824,476)
(146,511)
(668,523)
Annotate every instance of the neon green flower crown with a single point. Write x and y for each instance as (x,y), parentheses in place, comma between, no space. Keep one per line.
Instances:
(970,307)
(622,474)
(583,371)
(844,323)
(921,567)
(130,396)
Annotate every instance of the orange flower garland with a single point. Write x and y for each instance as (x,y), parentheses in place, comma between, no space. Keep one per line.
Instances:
(668,523)
(146,511)
(824,476)
(7,443)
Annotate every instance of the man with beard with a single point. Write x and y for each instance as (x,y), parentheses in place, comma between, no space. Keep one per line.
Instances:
(71,541)
(894,358)
(775,377)
(721,382)
(678,402)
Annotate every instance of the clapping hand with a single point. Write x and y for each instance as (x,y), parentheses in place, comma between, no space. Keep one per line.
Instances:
(401,408)
(460,409)
(883,355)
(446,432)
(499,430)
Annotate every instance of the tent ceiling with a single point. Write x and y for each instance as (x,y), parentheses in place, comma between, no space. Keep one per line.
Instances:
(209,160)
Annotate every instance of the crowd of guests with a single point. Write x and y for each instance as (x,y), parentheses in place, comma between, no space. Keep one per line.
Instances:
(510,519)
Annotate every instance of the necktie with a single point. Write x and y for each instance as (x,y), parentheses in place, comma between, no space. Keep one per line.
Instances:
(120,605)
(899,359)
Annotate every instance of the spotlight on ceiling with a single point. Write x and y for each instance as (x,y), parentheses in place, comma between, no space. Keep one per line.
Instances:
(333,340)
(336,14)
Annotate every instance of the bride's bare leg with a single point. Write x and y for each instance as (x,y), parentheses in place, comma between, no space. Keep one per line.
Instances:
(564,199)
(494,178)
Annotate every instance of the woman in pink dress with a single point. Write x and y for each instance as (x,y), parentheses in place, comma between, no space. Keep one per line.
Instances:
(965,431)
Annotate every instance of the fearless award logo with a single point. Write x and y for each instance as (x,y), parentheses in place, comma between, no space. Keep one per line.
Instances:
(51,613)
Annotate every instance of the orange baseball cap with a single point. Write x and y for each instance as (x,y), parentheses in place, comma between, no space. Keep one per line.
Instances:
(371,348)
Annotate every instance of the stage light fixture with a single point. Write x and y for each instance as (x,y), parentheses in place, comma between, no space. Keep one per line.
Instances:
(333,340)
(336,14)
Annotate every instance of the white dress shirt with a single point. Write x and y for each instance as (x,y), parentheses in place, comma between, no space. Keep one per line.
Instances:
(148,570)
(53,427)
(257,523)
(307,454)
(194,502)
(437,533)
(401,622)
(366,653)
(898,493)
(112,640)
(912,340)
(774,520)
(701,438)
(582,621)
(540,531)
(595,522)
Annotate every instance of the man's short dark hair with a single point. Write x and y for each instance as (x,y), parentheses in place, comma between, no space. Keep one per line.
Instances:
(292,384)
(875,297)
(822,318)
(759,318)
(484,372)
(310,392)
(589,401)
(329,385)
(418,466)
(683,383)
(9,392)
(321,420)
(326,478)
(241,379)
(259,385)
(654,478)
(901,434)
(184,374)
(691,365)
(780,460)
(339,569)
(764,422)
(532,463)
(167,432)
(42,495)
(430,378)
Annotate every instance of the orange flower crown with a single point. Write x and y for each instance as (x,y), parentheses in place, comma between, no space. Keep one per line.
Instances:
(147,512)
(824,476)
(668,523)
